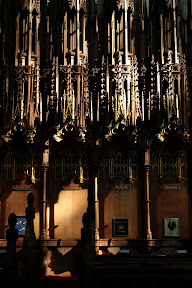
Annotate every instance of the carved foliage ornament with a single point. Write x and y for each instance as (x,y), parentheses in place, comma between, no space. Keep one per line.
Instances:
(72,3)
(121,4)
(82,4)
(170,2)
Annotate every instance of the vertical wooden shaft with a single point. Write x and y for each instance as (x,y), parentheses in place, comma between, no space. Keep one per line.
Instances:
(30,33)
(45,165)
(17,38)
(175,30)
(78,105)
(77,33)
(57,84)
(113,37)
(96,211)
(126,35)
(44,200)
(65,48)
(83,34)
(44,234)
(147,197)
(162,39)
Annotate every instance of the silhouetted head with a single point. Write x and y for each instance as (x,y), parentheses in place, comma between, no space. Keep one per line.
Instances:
(12,220)
(30,199)
(86,220)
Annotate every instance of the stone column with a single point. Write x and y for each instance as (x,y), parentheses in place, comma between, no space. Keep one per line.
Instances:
(147,198)
(44,233)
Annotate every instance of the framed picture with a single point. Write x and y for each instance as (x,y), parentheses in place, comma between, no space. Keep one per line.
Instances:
(171,227)
(120,227)
(21,225)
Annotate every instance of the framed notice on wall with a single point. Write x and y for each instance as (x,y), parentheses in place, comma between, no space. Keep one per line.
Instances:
(171,227)
(120,227)
(21,225)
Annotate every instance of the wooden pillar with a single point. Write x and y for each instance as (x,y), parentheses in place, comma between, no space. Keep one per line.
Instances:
(31,111)
(17,39)
(184,100)
(44,233)
(77,34)
(96,210)
(83,33)
(57,83)
(179,89)
(133,118)
(37,90)
(132,35)
(30,33)
(37,41)
(126,35)
(175,30)
(65,48)
(118,35)
(162,39)
(78,91)
(28,94)
(22,101)
(147,197)
(113,38)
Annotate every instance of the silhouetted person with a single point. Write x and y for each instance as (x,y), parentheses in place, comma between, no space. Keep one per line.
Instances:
(30,251)
(87,249)
(11,236)
(29,238)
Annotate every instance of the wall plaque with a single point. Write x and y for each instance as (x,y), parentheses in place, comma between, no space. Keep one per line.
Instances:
(120,227)
(170,187)
(171,227)
(21,225)
(122,187)
(23,187)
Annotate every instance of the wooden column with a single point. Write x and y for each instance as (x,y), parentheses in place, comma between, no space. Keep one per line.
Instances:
(28,93)
(147,197)
(162,39)
(179,89)
(37,90)
(44,233)
(132,35)
(77,34)
(30,33)
(118,36)
(96,211)
(17,39)
(83,33)
(113,38)
(31,110)
(57,83)
(37,41)
(65,49)
(126,35)
(175,30)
